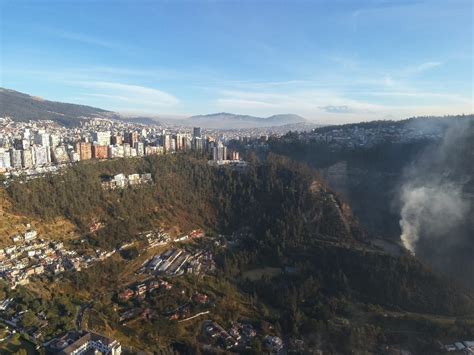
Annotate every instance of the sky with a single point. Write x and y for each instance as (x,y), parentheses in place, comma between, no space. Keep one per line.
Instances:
(329,61)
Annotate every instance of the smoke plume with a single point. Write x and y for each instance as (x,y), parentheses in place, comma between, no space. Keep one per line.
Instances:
(436,203)
(432,210)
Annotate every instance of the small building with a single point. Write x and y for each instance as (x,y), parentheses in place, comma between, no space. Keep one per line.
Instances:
(30,235)
(77,343)
(140,289)
(126,294)
(17,238)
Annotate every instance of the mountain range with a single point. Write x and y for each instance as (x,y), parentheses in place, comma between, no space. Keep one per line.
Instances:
(230,120)
(23,107)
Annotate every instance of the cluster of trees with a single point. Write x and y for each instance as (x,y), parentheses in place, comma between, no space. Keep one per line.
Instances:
(58,309)
(176,196)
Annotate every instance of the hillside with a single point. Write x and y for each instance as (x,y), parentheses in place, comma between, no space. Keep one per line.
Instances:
(298,259)
(23,107)
(426,180)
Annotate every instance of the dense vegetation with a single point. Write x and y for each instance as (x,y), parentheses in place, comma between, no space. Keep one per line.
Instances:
(371,177)
(328,276)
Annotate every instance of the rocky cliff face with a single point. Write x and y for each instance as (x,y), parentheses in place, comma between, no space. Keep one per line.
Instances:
(370,192)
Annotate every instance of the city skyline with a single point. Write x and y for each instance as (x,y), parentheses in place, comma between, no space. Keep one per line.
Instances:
(330,62)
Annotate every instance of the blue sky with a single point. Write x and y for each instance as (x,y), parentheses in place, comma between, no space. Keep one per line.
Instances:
(330,61)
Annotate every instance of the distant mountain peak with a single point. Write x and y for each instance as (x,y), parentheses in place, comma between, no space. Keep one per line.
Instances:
(232,120)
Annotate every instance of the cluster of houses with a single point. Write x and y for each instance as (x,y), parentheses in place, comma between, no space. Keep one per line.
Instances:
(461,347)
(195,234)
(12,318)
(272,343)
(140,290)
(174,262)
(239,336)
(360,135)
(4,304)
(157,238)
(30,256)
(121,181)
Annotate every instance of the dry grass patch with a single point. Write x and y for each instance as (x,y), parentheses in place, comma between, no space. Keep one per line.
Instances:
(12,223)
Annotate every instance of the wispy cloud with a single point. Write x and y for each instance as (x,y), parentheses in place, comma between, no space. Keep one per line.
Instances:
(127,97)
(85,39)
(421,68)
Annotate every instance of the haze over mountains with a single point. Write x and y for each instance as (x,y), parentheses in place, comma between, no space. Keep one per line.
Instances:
(24,107)
(226,120)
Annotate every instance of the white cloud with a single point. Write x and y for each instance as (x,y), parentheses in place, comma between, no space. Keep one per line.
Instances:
(415,70)
(121,96)
(427,66)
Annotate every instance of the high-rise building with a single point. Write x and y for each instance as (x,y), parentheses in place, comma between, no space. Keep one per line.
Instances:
(117,139)
(27,158)
(41,155)
(224,152)
(234,155)
(4,159)
(153,150)
(101,138)
(140,149)
(54,140)
(42,138)
(99,151)
(187,142)
(74,156)
(126,150)
(173,144)
(180,141)
(166,143)
(197,132)
(219,152)
(115,151)
(132,138)
(59,154)
(15,158)
(197,144)
(84,149)
(21,144)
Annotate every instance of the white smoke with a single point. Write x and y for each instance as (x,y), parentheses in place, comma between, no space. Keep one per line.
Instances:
(432,209)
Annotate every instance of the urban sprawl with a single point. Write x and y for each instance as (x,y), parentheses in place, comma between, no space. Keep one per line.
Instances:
(35,148)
